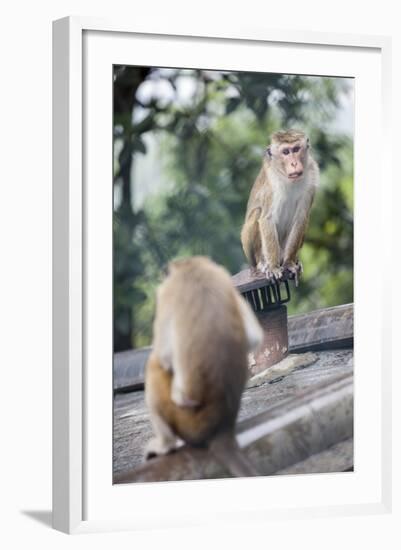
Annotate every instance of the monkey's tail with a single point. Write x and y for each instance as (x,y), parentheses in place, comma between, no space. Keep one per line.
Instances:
(226,450)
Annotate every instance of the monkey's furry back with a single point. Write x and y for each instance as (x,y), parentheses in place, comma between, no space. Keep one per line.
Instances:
(198,328)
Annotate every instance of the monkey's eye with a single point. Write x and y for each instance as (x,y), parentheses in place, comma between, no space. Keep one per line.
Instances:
(296,149)
(286,151)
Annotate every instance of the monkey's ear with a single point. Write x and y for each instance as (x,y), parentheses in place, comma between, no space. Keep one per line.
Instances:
(269,152)
(307,143)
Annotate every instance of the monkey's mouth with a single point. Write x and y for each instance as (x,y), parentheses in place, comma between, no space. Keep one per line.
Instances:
(295,175)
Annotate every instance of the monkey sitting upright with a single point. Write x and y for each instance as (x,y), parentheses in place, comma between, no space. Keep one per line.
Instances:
(195,375)
(278,208)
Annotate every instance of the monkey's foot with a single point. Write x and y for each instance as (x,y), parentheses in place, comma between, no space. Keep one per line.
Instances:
(160,447)
(260,268)
(272,274)
(293,270)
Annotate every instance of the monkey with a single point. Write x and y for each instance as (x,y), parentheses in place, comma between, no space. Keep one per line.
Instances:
(279,204)
(197,370)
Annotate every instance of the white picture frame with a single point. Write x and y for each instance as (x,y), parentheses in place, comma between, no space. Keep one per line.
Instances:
(83,496)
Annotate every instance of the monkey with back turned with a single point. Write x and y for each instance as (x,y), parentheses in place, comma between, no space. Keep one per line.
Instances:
(196,373)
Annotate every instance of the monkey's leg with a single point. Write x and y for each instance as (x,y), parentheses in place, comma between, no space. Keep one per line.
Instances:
(164,441)
(270,249)
(157,394)
(250,238)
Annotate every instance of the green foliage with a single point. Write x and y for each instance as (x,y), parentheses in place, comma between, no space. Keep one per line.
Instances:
(210,148)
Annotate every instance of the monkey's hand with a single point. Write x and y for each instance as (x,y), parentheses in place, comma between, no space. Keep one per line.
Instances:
(293,270)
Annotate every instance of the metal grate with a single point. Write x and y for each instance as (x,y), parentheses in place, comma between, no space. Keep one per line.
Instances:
(268,296)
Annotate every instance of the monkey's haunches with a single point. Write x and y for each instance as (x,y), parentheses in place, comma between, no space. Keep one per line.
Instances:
(194,425)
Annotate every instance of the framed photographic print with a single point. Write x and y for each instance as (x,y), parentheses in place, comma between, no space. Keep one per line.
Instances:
(159,136)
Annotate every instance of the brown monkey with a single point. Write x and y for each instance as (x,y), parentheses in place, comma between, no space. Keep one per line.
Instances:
(279,204)
(195,375)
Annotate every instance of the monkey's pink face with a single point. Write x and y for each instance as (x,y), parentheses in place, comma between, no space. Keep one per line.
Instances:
(292,159)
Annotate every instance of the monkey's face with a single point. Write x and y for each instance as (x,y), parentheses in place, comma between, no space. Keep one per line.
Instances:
(290,159)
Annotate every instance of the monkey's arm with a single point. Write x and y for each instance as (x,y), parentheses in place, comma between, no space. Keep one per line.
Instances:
(296,238)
